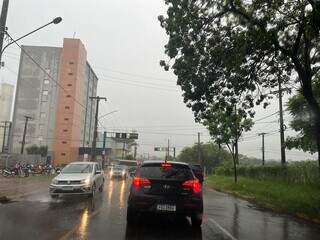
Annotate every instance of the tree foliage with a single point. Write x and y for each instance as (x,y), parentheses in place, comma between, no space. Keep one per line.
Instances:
(236,51)
(227,128)
(211,155)
(302,122)
(40,150)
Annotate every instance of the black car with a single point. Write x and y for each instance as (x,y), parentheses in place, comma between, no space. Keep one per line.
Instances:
(165,188)
(197,170)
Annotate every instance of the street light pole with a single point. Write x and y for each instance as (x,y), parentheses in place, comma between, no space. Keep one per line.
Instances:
(57,20)
(95,133)
(262,134)
(3,22)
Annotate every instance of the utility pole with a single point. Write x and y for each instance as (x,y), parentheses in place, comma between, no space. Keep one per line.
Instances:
(282,127)
(283,147)
(135,152)
(174,153)
(95,133)
(104,148)
(262,134)
(199,151)
(123,149)
(168,151)
(3,22)
(5,134)
(24,133)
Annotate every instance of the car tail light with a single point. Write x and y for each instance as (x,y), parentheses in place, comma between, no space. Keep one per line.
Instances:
(166,165)
(195,185)
(140,182)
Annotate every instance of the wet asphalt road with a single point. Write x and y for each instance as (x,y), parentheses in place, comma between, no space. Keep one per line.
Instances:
(39,217)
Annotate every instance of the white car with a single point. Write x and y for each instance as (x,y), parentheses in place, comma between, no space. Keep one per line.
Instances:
(118,172)
(78,178)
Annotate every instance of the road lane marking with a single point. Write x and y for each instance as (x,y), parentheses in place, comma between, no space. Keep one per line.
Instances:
(222,229)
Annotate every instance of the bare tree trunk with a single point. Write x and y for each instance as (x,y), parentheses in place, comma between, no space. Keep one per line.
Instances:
(318,142)
(235,169)
(234,164)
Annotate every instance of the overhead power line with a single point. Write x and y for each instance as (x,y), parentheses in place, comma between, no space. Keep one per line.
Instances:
(135,75)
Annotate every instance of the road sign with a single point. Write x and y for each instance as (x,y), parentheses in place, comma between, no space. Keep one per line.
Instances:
(163,149)
(132,136)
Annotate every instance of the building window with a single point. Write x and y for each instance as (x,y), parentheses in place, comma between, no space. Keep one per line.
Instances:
(43,115)
(46,82)
(63,154)
(71,63)
(66,107)
(40,138)
(41,126)
(69,85)
(44,97)
(66,119)
(65,130)
(68,96)
(70,74)
(64,142)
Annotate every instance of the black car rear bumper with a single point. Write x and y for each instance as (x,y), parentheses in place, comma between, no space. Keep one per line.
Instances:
(183,206)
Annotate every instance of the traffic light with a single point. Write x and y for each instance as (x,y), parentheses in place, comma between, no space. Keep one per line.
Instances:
(133,135)
(123,136)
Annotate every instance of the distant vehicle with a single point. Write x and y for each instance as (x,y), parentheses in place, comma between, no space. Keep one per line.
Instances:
(119,172)
(165,188)
(198,171)
(78,178)
(127,163)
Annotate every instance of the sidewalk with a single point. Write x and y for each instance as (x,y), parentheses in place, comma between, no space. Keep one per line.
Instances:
(15,187)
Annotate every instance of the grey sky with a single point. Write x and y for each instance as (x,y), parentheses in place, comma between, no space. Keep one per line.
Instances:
(125,36)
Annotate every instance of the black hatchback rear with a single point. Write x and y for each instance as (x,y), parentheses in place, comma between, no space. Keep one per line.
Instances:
(165,188)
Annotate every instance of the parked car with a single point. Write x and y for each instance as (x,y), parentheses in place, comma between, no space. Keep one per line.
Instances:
(198,171)
(78,178)
(118,172)
(165,188)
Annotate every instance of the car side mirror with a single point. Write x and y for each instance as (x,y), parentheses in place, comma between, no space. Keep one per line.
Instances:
(132,174)
(97,172)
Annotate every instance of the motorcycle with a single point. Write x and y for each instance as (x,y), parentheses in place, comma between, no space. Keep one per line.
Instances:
(9,172)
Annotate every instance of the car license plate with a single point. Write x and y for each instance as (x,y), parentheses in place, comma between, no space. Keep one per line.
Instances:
(67,188)
(166,207)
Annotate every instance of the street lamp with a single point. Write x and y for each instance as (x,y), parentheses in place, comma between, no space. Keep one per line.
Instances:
(57,20)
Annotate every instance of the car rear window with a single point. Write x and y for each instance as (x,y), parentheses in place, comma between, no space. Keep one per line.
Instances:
(156,171)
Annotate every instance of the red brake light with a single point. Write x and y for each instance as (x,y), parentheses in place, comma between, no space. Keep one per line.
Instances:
(166,165)
(194,184)
(140,182)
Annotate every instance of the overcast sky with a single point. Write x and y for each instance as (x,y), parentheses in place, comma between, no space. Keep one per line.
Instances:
(125,43)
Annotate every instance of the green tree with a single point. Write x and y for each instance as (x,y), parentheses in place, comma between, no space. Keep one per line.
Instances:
(226,128)
(34,149)
(302,122)
(43,151)
(211,155)
(228,51)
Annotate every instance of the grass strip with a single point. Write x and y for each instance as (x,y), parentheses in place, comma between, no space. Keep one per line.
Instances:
(295,199)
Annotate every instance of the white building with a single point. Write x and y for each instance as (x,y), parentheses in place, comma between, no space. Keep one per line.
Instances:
(6,98)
